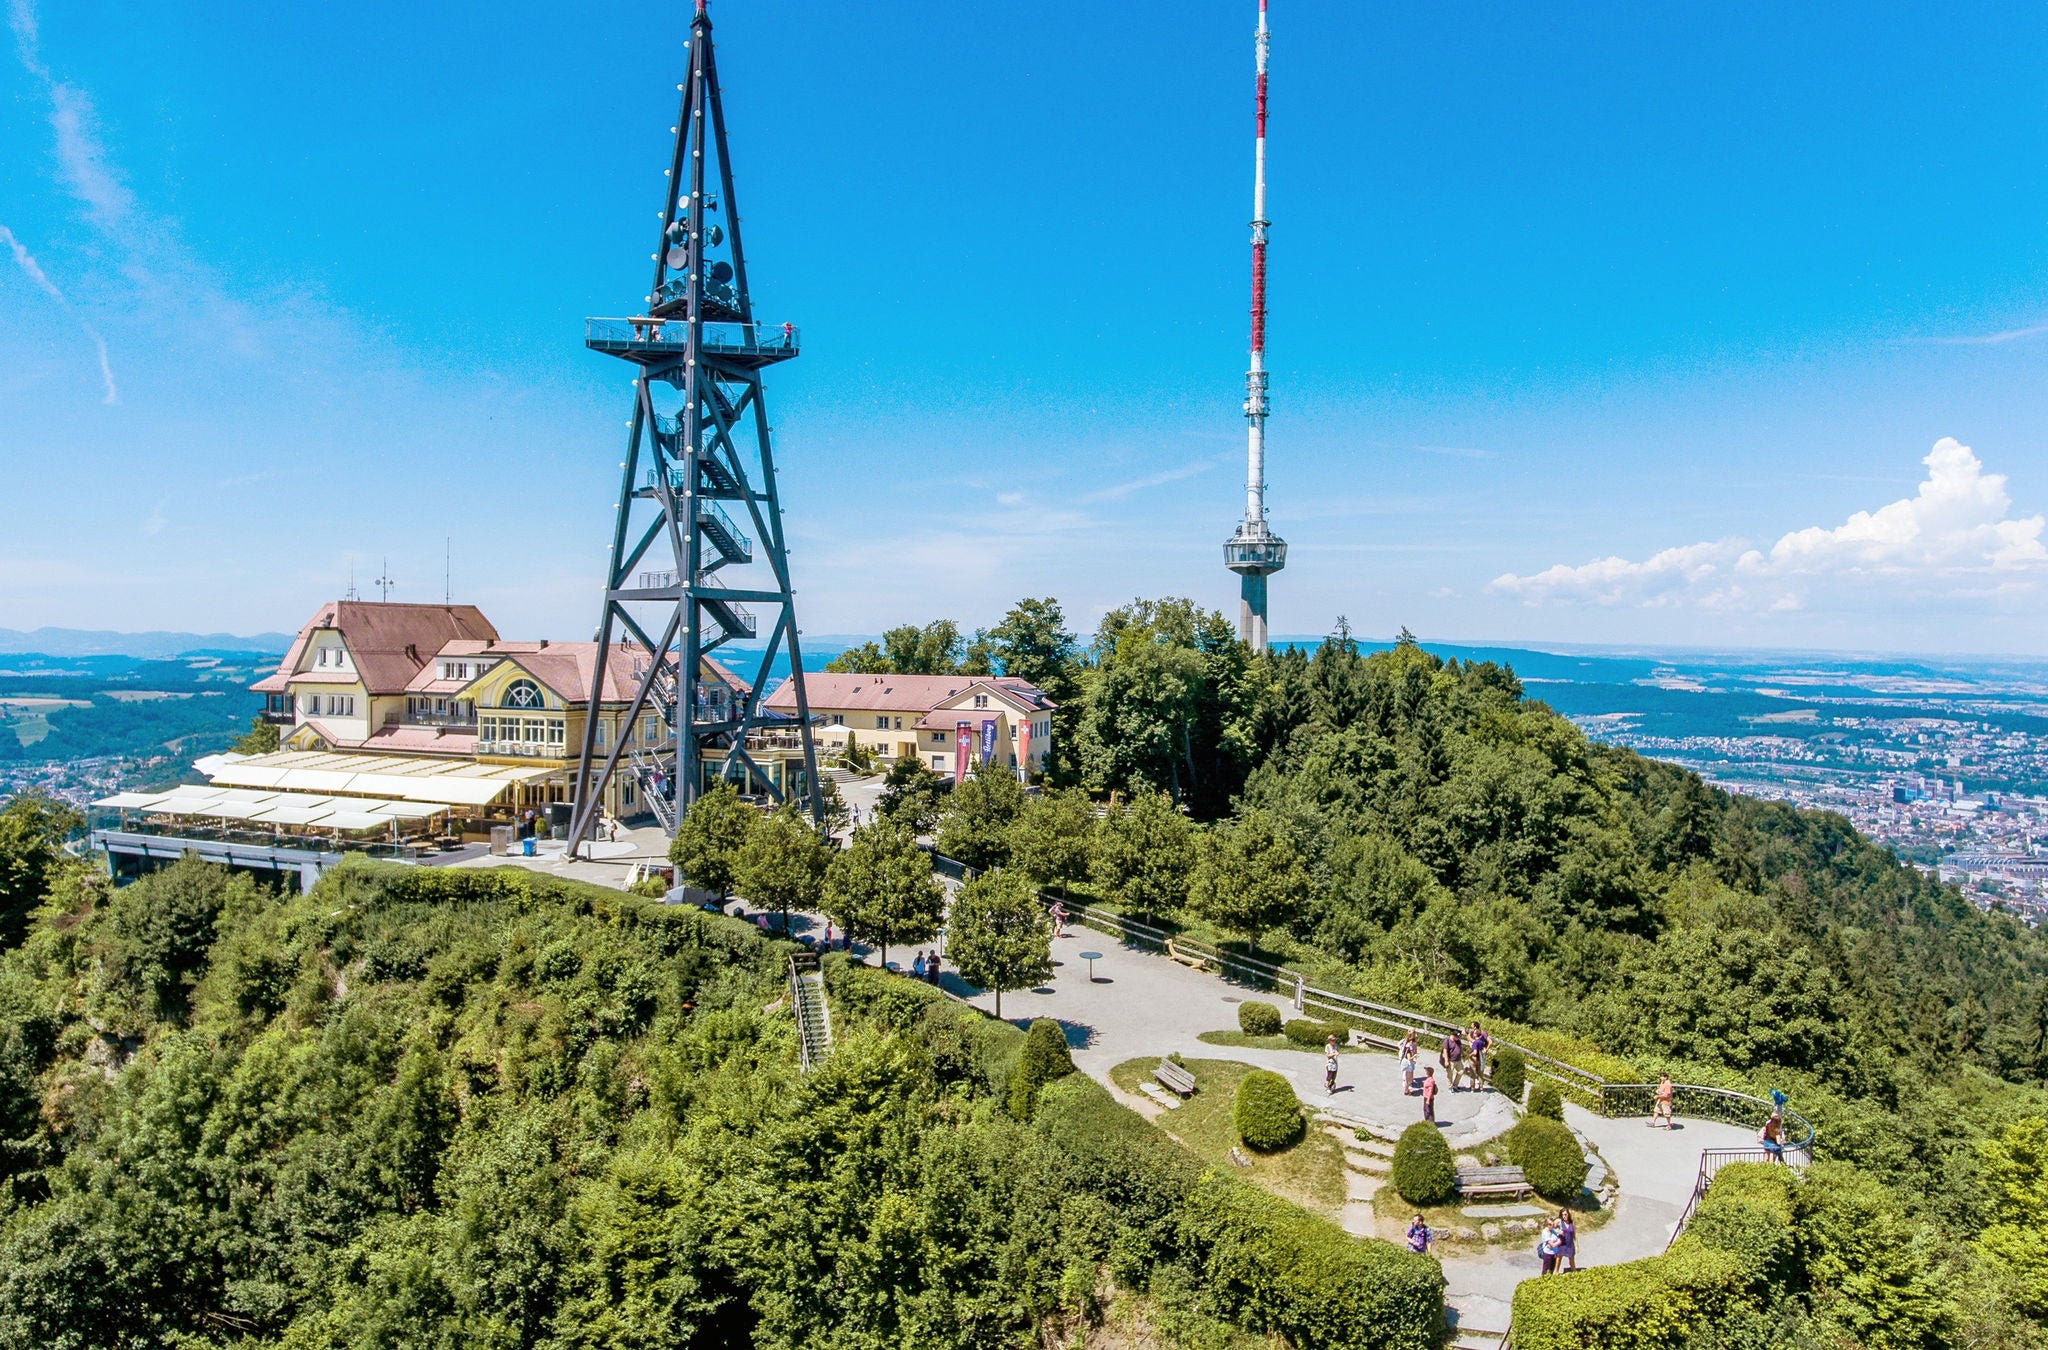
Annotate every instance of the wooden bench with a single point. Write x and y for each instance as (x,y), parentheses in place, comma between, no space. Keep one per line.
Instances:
(1492,1181)
(1178,1080)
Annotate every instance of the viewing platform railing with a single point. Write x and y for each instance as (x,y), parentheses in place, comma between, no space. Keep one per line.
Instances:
(651,334)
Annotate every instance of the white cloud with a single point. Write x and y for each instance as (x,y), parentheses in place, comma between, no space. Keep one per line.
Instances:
(1119,491)
(1955,536)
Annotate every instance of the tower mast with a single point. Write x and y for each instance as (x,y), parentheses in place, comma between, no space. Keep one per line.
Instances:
(699,489)
(1254,552)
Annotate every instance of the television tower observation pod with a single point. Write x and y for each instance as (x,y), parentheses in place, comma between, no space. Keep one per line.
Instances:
(1254,552)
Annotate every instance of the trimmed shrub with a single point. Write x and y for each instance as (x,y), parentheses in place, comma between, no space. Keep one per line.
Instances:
(1044,1058)
(1423,1171)
(1275,1268)
(1265,1112)
(1551,1157)
(1738,1248)
(1309,1034)
(1510,1072)
(1545,1100)
(1258,1019)
(1108,1150)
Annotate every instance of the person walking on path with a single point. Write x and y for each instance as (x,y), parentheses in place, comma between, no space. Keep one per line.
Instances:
(1418,1236)
(1330,1066)
(1429,1095)
(931,968)
(1772,1137)
(1662,1106)
(1408,1053)
(1567,1240)
(1480,1042)
(1453,1057)
(1058,913)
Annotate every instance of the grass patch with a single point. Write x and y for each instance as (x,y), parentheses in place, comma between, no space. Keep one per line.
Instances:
(1311,1173)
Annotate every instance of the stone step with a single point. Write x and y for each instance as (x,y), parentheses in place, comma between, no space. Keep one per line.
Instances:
(1160,1095)
(1367,1165)
(1476,1340)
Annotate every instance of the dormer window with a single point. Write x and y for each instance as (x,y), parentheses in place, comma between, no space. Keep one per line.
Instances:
(523,694)
(320,657)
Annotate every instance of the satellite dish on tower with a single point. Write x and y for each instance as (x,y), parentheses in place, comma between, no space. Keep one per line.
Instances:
(721,272)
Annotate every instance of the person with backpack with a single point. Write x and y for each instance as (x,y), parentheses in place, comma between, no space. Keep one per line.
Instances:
(1418,1236)
(1546,1247)
(1480,1043)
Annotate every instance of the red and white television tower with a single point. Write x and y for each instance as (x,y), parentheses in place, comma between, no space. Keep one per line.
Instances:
(1254,552)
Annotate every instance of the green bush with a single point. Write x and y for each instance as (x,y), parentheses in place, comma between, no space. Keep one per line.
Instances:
(1273,1267)
(1510,1072)
(1545,1100)
(1265,1112)
(1550,1156)
(1258,1019)
(1308,1033)
(1044,1059)
(1735,1252)
(1423,1171)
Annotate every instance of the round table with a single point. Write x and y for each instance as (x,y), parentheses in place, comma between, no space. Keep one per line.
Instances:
(1091,958)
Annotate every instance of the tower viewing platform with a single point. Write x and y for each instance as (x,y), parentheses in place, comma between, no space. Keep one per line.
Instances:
(1254,550)
(649,341)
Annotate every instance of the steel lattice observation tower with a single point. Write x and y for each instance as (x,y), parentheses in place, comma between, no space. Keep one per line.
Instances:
(698,491)
(1254,552)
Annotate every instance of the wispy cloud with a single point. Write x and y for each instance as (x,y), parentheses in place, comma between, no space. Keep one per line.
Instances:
(1120,491)
(1993,339)
(1456,451)
(26,261)
(1955,538)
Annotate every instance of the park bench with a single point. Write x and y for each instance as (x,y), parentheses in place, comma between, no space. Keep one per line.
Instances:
(1176,1079)
(1492,1181)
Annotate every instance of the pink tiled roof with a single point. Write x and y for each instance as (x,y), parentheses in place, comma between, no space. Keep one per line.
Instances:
(415,740)
(566,667)
(897,693)
(389,643)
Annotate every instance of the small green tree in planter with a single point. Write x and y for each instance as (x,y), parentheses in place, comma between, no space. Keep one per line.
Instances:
(1549,1154)
(1044,1058)
(1510,1072)
(1423,1171)
(1258,1019)
(1545,1100)
(1265,1112)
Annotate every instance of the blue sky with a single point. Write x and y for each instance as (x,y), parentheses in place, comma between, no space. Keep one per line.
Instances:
(1588,327)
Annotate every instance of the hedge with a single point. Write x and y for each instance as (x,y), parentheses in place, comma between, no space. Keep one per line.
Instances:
(1546,1100)
(1551,1156)
(1258,1019)
(1274,1267)
(1510,1072)
(1044,1058)
(1738,1246)
(1423,1171)
(1265,1113)
(1311,1034)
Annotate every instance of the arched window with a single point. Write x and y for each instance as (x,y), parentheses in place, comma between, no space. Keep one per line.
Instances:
(523,694)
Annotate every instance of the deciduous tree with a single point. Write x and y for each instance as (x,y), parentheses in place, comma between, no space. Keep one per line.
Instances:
(998,936)
(1053,838)
(1250,878)
(979,813)
(881,888)
(1144,857)
(709,838)
(781,866)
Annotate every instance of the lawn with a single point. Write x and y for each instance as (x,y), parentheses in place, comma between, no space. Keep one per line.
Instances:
(1311,1173)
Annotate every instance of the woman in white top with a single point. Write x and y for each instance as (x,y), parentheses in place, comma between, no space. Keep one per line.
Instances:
(1408,1052)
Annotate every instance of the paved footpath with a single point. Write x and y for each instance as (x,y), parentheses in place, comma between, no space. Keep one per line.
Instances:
(1145,1005)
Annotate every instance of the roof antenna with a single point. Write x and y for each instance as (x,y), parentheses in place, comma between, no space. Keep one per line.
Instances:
(384,583)
(350,594)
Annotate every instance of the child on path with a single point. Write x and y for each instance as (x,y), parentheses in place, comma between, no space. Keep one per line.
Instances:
(1567,1240)
(1330,1066)
(1546,1247)
(1429,1095)
(1418,1236)
(1408,1054)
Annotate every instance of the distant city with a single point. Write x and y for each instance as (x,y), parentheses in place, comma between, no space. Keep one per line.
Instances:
(1945,762)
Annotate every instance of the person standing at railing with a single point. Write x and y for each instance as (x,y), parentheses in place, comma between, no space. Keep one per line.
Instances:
(1772,1136)
(1662,1106)
(1479,1041)
(788,334)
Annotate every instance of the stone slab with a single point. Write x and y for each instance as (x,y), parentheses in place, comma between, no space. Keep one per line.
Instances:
(1502,1211)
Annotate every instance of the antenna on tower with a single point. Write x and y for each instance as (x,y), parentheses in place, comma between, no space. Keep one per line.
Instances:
(350,593)
(384,583)
(1254,552)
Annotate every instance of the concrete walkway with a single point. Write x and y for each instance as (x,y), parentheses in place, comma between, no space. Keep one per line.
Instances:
(1144,1005)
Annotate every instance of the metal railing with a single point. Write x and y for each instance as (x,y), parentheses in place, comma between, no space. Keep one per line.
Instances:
(807,1000)
(1709,1103)
(1713,1160)
(744,338)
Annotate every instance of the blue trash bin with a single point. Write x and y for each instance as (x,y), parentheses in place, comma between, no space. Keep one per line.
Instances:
(526,846)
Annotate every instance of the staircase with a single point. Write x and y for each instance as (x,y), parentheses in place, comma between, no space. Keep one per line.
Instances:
(813,1019)
(656,800)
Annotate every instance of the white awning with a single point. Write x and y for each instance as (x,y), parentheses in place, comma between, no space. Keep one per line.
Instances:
(294,814)
(353,820)
(407,779)
(128,801)
(409,810)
